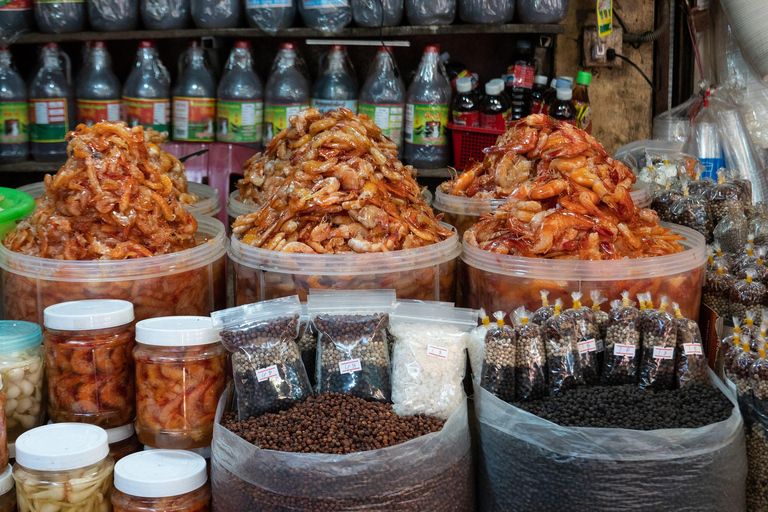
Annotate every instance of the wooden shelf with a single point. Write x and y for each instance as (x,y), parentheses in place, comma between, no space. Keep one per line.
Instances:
(297,32)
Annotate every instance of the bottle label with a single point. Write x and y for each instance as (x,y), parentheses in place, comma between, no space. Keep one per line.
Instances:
(388,117)
(322,4)
(464,73)
(149,113)
(276,118)
(193,118)
(522,76)
(327,105)
(13,122)
(90,112)
(494,121)
(466,118)
(425,124)
(239,121)
(583,117)
(266,4)
(538,107)
(48,120)
(15,5)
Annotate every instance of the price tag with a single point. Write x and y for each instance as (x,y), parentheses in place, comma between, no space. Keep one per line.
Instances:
(438,352)
(663,352)
(587,346)
(622,350)
(692,349)
(600,345)
(351,366)
(267,373)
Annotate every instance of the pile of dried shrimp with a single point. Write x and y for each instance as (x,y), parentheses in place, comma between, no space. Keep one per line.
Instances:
(113,199)
(343,191)
(570,198)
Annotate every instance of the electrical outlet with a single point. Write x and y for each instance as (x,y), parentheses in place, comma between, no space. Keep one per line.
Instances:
(595,50)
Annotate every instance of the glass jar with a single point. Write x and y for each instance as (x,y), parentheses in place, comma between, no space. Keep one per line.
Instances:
(21,370)
(64,466)
(180,375)
(88,346)
(7,492)
(123,441)
(167,480)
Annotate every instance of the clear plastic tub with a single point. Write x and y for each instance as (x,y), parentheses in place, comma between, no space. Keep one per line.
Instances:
(236,208)
(14,206)
(189,282)
(425,273)
(500,282)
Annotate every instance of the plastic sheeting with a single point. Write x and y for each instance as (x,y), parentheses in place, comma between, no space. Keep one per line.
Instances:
(329,16)
(486,11)
(60,17)
(432,472)
(270,16)
(542,11)
(527,463)
(113,15)
(163,14)
(215,13)
(430,12)
(13,23)
(368,13)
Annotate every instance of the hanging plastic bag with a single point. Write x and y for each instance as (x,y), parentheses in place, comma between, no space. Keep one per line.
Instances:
(270,16)
(531,359)
(377,13)
(268,371)
(659,339)
(430,12)
(622,342)
(693,211)
(542,314)
(705,141)
(329,16)
(542,11)
(487,11)
(717,289)
(563,361)
(476,344)
(587,336)
(352,353)
(747,295)
(164,14)
(498,375)
(675,124)
(691,363)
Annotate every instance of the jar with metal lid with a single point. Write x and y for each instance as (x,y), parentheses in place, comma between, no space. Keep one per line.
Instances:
(123,441)
(7,492)
(64,466)
(88,346)
(167,480)
(180,375)
(22,372)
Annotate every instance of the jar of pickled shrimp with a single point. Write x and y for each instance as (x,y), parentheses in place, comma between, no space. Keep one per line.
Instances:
(88,346)
(22,371)
(122,441)
(63,467)
(180,375)
(167,480)
(7,492)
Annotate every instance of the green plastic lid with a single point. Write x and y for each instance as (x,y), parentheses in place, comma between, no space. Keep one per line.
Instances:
(14,205)
(584,78)
(17,335)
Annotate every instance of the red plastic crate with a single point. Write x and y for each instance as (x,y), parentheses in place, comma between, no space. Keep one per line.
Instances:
(469,143)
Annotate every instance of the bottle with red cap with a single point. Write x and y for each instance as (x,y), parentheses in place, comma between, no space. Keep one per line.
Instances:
(382,97)
(286,92)
(60,16)
(426,114)
(14,130)
(194,98)
(146,97)
(51,106)
(336,85)
(240,99)
(98,90)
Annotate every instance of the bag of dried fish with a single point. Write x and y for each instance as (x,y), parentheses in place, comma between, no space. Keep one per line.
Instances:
(622,342)
(747,294)
(499,360)
(531,377)
(268,370)
(476,344)
(587,336)
(723,196)
(563,361)
(732,230)
(691,363)
(352,353)
(659,339)
(717,290)
(546,310)
(693,211)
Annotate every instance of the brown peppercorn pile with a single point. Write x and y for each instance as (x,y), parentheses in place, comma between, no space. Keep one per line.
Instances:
(332,423)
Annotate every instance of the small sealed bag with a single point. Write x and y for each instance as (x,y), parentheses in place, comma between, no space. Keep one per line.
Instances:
(747,294)
(622,342)
(561,342)
(722,197)
(740,367)
(749,328)
(727,260)
(717,290)
(754,263)
(659,338)
(730,347)
(693,211)
(429,357)
(544,312)
(758,374)
(531,360)
(692,369)
(732,231)
(587,336)
(352,345)
(307,342)
(268,371)
(601,320)
(663,200)
(476,344)
(700,186)
(498,375)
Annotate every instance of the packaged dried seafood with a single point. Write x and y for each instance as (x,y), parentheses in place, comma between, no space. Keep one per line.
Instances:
(560,339)
(531,376)
(499,360)
(691,363)
(587,336)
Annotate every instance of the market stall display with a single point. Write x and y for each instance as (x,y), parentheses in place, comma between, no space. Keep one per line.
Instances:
(690,361)
(658,341)
(499,359)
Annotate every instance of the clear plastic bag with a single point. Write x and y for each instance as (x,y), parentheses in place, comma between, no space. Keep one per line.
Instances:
(113,15)
(329,16)
(748,328)
(725,259)
(542,314)
(722,197)
(476,344)
(744,185)
(499,360)
(601,319)
(352,353)
(528,463)
(307,342)
(432,472)
(659,339)
(675,124)
(756,434)
(717,290)
(430,12)
(732,230)
(215,13)
(663,200)
(693,211)
(542,11)
(60,17)
(747,295)
(691,363)
(622,342)
(377,13)
(758,374)
(486,11)
(700,186)
(531,360)
(563,362)
(429,357)
(270,16)
(164,14)
(738,371)
(730,347)
(268,371)
(755,264)
(587,336)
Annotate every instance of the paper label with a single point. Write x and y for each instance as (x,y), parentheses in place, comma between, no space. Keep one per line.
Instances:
(267,373)
(91,112)
(14,122)
(266,4)
(522,76)
(322,4)
(587,346)
(604,17)
(494,121)
(621,350)
(663,352)
(149,113)
(193,118)
(538,107)
(438,352)
(583,112)
(15,5)
(48,120)
(466,118)
(425,124)
(351,366)
(327,105)
(276,118)
(388,117)
(600,345)
(692,349)
(239,121)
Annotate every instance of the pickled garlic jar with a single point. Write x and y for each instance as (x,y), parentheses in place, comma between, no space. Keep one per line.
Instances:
(7,492)
(88,345)
(63,467)
(22,372)
(180,375)
(122,441)
(167,480)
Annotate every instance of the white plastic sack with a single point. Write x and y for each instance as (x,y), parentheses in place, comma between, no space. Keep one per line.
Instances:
(528,463)
(430,473)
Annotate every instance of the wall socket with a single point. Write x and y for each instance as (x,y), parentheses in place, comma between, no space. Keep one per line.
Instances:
(594,54)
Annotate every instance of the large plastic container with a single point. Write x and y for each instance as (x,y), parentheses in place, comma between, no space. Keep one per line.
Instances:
(425,273)
(189,282)
(500,282)
(14,206)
